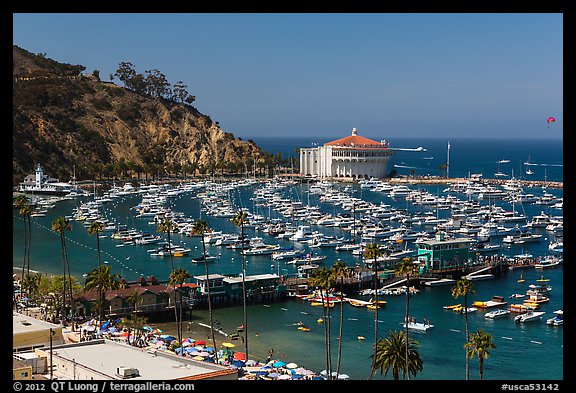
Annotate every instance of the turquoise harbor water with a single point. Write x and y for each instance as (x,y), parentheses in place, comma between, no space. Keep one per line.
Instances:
(531,351)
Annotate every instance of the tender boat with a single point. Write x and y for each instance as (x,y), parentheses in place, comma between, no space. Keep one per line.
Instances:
(529,316)
(496,314)
(418,326)
(557,320)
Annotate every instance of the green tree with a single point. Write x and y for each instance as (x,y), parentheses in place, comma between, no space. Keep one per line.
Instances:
(462,288)
(390,355)
(240,219)
(339,272)
(102,279)
(322,279)
(480,345)
(25,210)
(61,225)
(167,227)
(407,269)
(373,251)
(179,276)
(199,229)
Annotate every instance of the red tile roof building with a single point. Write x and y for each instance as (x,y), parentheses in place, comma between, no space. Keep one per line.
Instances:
(352,156)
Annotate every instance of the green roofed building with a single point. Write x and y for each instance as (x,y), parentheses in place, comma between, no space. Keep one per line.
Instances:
(445,254)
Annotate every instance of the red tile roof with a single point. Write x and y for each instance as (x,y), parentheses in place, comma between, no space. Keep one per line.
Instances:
(356,140)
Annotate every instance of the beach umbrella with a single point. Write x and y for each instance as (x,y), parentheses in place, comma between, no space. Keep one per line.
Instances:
(199,348)
(198,358)
(147,328)
(284,376)
(291,365)
(238,363)
(273,375)
(296,376)
(200,342)
(203,354)
(251,362)
(228,345)
(239,356)
(278,363)
(343,376)
(300,370)
(209,349)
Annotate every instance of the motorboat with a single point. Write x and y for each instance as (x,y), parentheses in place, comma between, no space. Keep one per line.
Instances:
(548,262)
(496,314)
(418,326)
(557,320)
(529,316)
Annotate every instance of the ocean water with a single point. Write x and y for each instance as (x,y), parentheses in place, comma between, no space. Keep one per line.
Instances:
(533,351)
(467,155)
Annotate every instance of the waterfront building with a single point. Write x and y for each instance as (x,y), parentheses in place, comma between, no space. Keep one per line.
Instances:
(353,156)
(441,254)
(39,183)
(151,298)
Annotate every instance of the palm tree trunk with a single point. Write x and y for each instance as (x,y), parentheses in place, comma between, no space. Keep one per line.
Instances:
(63,307)
(375,310)
(467,336)
(328,373)
(178,333)
(407,316)
(481,366)
(69,286)
(341,325)
(244,292)
(209,299)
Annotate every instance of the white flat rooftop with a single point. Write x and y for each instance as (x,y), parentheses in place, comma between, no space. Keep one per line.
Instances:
(105,356)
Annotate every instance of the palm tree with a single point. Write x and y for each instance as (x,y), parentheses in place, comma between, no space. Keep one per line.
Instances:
(239,219)
(135,322)
(322,279)
(462,288)
(339,271)
(200,228)
(179,276)
(406,268)
(480,345)
(25,210)
(373,251)
(390,355)
(167,226)
(96,228)
(132,299)
(101,278)
(61,225)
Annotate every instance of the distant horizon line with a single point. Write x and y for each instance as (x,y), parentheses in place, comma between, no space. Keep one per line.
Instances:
(253,137)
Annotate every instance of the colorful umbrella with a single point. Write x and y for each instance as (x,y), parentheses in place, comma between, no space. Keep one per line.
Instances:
(239,356)
(228,345)
(200,342)
(279,363)
(291,365)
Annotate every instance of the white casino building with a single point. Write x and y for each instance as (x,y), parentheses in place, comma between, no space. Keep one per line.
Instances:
(353,156)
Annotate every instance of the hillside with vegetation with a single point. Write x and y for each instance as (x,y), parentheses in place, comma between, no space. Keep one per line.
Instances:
(144,127)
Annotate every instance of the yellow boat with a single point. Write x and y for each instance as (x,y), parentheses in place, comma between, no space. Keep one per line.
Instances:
(325,304)
(521,279)
(452,306)
(542,279)
(372,307)
(319,320)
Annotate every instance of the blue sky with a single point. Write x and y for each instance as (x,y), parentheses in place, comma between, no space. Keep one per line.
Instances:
(319,75)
